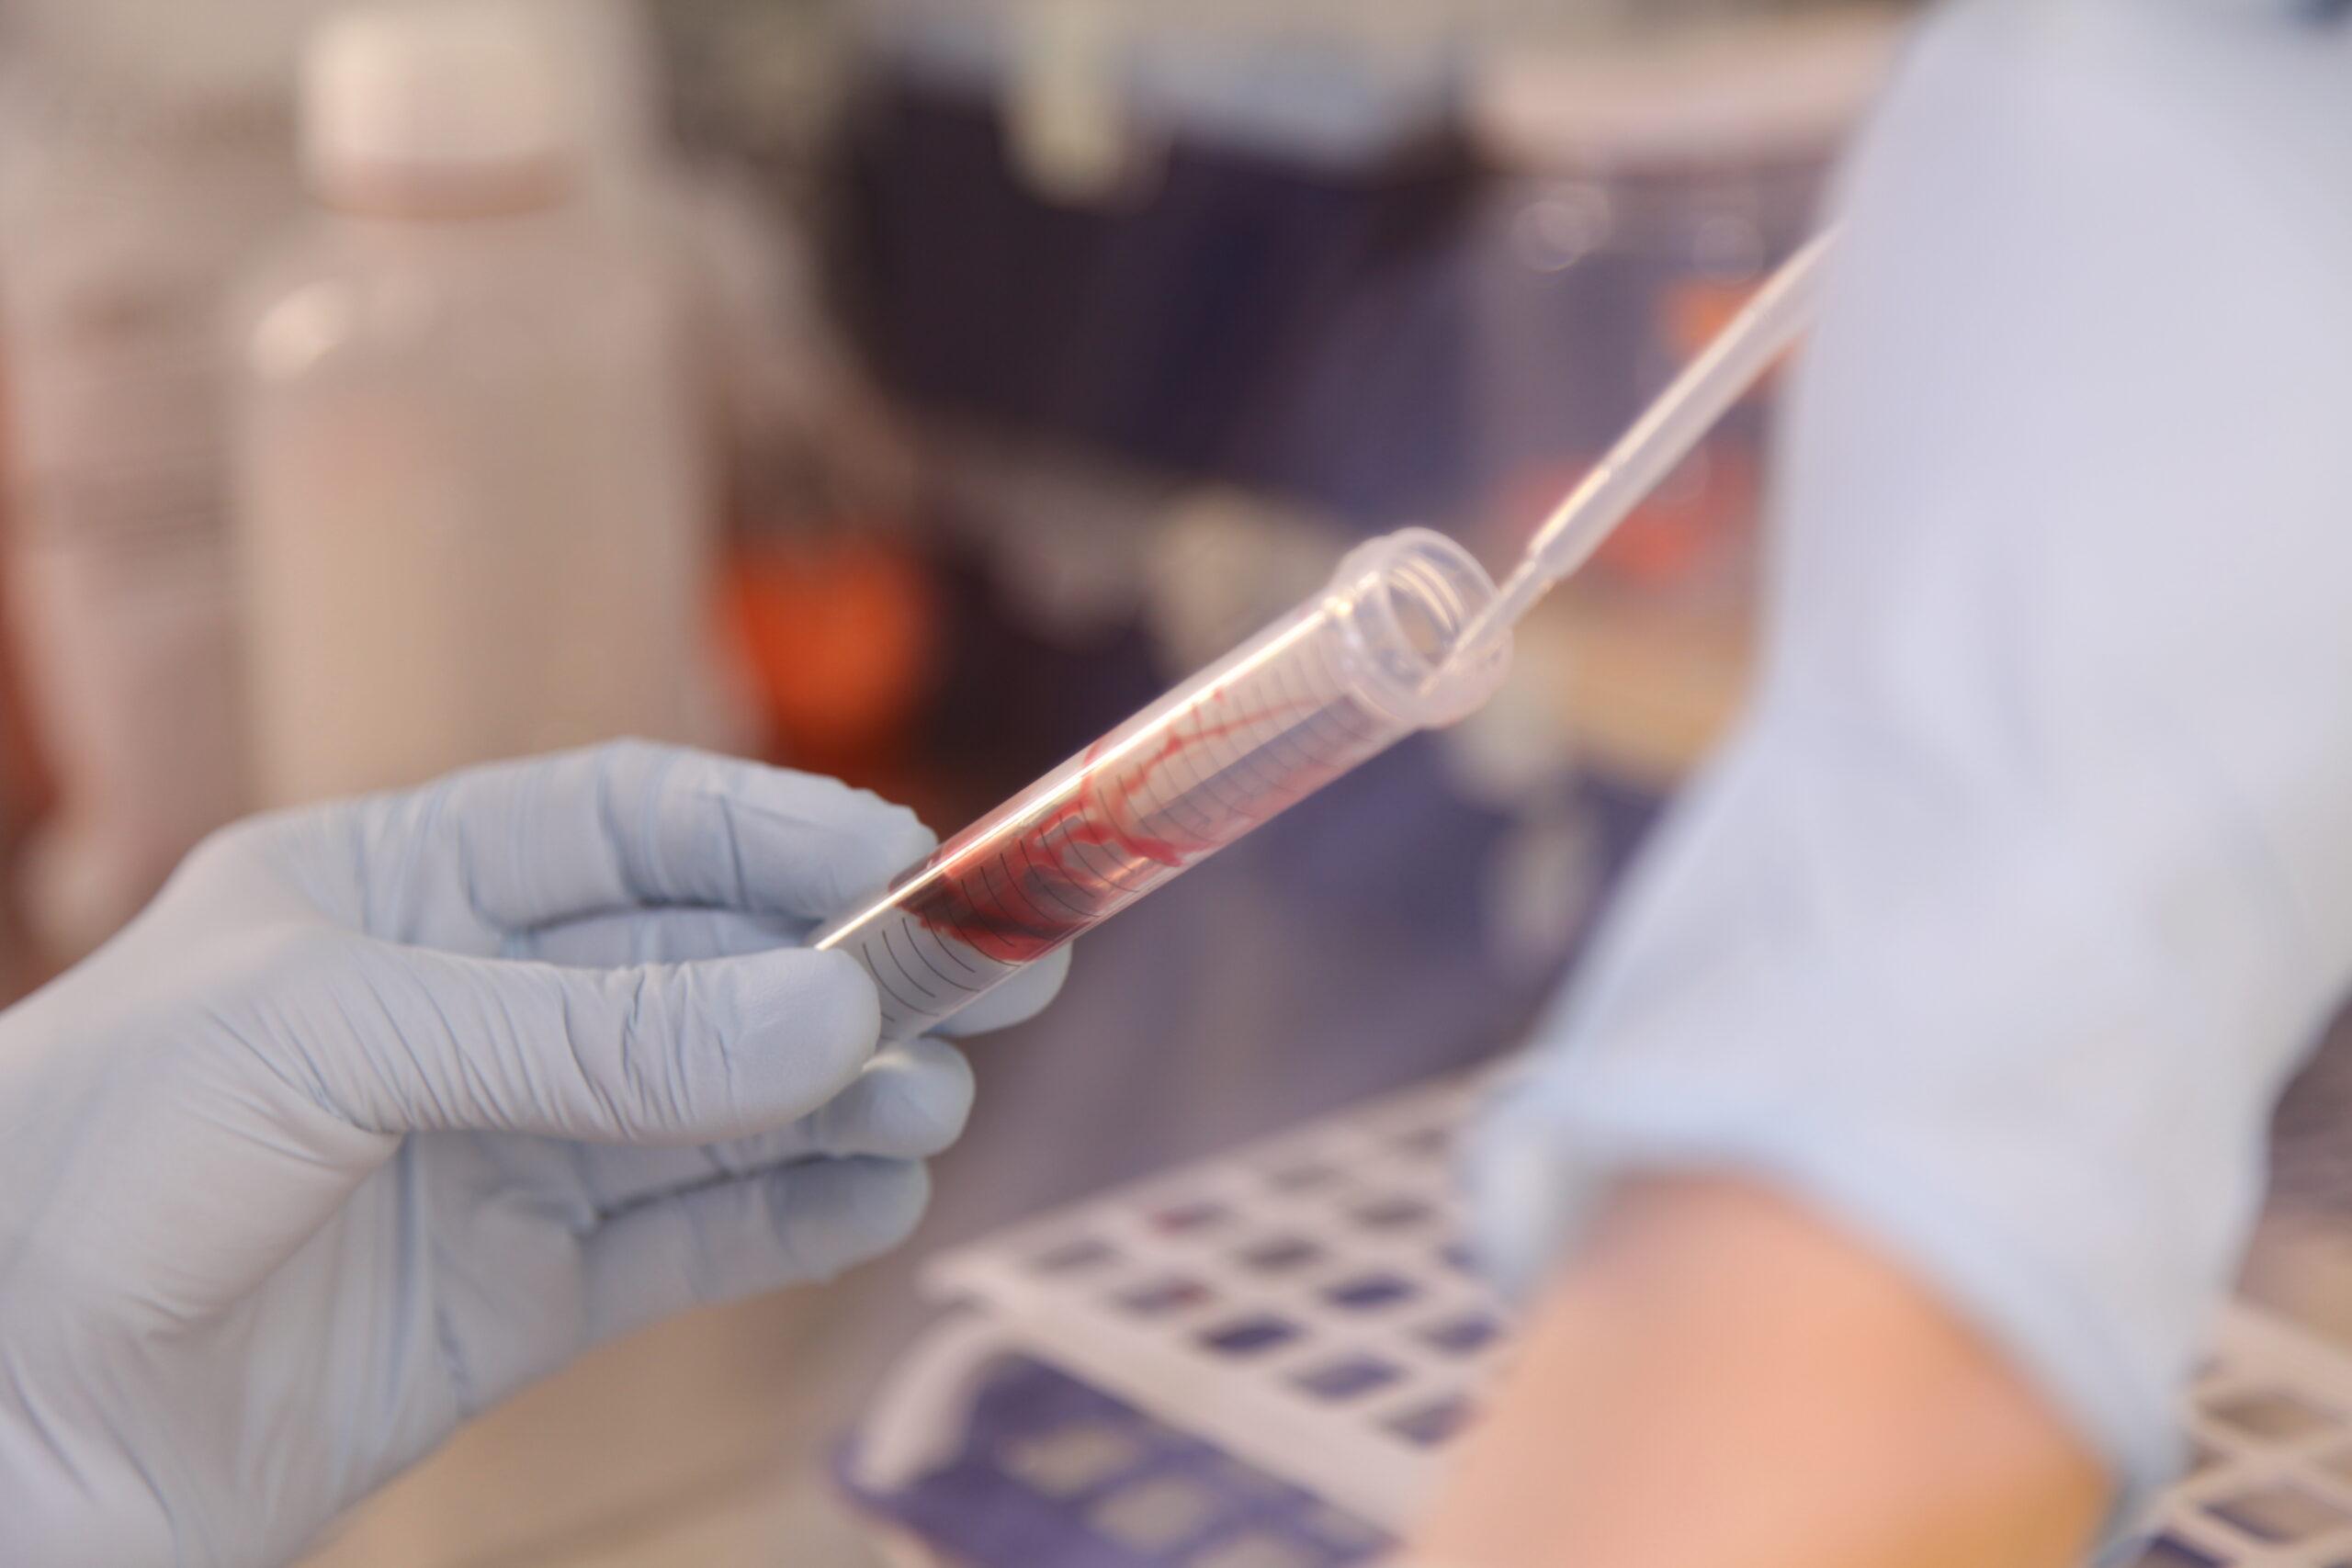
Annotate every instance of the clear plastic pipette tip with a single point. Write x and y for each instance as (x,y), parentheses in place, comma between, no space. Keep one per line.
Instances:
(1658,441)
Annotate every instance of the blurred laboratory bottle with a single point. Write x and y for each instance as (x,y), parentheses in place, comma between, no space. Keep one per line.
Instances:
(472,478)
(144,146)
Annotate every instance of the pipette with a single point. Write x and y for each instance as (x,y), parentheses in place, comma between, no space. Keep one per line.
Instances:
(1661,438)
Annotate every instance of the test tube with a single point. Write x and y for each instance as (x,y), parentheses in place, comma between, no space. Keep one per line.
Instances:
(1336,681)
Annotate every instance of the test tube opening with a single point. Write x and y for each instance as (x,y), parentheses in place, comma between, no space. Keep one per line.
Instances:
(1419,618)
(1406,600)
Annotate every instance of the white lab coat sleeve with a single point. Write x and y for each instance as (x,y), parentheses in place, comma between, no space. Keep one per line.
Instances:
(1995,930)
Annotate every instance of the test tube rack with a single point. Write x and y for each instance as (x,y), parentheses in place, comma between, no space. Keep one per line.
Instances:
(1258,1360)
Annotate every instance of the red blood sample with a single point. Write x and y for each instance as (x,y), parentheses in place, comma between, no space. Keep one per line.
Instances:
(1017,897)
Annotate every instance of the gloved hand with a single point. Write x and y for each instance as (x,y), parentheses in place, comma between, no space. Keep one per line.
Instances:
(1996,929)
(384,1110)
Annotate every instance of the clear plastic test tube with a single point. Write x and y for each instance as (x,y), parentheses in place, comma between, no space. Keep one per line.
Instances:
(1340,679)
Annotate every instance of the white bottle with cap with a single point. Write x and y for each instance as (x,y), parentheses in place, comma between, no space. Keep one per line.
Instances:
(473,502)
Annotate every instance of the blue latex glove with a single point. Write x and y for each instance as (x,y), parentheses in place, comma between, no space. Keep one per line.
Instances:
(2030,878)
(387,1109)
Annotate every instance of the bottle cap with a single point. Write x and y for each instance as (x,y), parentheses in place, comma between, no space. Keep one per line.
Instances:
(437,107)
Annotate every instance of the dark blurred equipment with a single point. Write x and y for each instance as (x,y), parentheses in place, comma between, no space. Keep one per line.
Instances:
(1250,308)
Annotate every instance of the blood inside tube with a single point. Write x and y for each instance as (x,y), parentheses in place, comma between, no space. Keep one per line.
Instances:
(1136,813)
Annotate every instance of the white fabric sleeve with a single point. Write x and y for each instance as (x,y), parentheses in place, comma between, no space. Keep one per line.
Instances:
(1996,929)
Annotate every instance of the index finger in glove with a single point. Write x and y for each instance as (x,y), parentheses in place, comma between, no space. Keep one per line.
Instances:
(521,845)
(664,1054)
